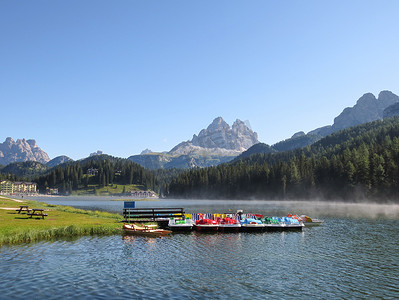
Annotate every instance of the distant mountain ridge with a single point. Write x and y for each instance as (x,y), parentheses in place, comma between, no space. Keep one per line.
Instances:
(219,142)
(368,108)
(216,144)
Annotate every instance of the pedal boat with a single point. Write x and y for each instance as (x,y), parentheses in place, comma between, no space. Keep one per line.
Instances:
(206,225)
(229,225)
(179,225)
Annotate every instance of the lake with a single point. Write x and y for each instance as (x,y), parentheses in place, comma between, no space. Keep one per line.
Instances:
(354,254)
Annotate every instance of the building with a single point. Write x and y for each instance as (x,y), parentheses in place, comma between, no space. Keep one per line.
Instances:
(6,187)
(53,191)
(19,187)
(92,171)
(143,194)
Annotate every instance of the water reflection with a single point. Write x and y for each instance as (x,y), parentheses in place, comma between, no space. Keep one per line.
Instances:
(343,258)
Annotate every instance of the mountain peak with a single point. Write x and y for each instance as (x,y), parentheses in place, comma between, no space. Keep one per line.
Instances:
(146,151)
(220,135)
(20,151)
(218,124)
(368,108)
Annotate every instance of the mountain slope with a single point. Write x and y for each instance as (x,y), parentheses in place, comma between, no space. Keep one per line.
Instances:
(368,108)
(59,160)
(25,169)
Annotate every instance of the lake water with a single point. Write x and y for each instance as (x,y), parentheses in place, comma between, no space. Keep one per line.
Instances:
(354,254)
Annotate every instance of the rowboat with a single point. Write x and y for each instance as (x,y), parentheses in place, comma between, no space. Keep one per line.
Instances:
(146,230)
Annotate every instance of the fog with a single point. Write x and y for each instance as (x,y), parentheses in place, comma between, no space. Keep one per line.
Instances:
(331,209)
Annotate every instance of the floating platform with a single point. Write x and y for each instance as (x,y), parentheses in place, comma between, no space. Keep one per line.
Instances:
(174,219)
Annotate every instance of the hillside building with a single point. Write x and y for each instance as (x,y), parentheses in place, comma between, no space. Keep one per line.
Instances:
(92,171)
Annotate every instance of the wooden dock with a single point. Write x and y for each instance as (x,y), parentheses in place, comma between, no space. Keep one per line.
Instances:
(151,214)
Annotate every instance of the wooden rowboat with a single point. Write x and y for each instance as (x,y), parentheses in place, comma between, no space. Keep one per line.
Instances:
(146,230)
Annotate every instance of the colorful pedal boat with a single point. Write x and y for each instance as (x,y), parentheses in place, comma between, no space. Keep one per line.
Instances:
(229,225)
(282,224)
(252,225)
(206,225)
(181,225)
(308,221)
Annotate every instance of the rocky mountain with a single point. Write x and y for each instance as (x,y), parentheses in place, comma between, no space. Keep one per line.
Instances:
(391,111)
(20,151)
(216,144)
(220,135)
(368,108)
(58,160)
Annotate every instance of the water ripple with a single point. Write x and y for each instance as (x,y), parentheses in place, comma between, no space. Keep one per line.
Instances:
(344,258)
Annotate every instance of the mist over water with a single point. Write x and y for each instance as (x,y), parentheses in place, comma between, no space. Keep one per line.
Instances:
(314,208)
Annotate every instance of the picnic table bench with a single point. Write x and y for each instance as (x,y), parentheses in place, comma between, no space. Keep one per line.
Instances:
(38,212)
(23,208)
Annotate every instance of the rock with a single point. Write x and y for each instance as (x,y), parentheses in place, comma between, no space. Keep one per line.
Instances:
(366,109)
(20,151)
(146,151)
(322,131)
(216,144)
(58,160)
(298,134)
(220,135)
(391,111)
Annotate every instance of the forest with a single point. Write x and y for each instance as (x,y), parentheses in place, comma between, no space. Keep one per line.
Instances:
(354,164)
(105,170)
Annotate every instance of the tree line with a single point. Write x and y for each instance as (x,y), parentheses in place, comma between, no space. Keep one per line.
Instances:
(359,162)
(106,170)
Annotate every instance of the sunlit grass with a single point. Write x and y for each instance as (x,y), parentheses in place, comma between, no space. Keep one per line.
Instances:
(109,190)
(62,221)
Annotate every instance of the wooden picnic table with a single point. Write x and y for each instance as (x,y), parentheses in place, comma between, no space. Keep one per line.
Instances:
(39,212)
(23,208)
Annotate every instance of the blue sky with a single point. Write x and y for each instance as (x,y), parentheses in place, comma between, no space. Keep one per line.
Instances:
(122,76)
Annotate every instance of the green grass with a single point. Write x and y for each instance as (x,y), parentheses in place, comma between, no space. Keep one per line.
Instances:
(112,189)
(62,221)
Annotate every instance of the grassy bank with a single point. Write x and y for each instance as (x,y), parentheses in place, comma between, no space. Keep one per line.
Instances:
(109,190)
(62,221)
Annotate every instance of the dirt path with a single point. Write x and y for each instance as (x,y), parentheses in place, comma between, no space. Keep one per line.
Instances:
(11,199)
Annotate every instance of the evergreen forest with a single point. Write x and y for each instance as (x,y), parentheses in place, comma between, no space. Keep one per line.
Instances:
(355,164)
(98,171)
